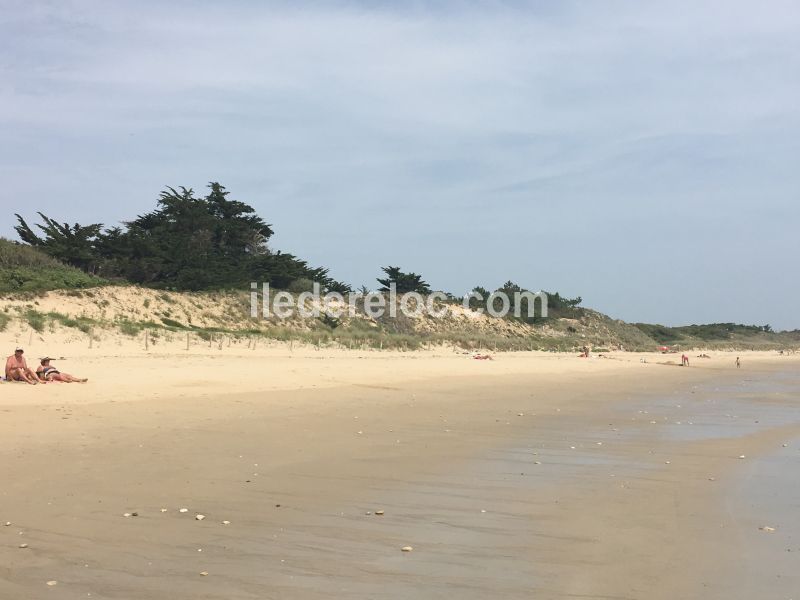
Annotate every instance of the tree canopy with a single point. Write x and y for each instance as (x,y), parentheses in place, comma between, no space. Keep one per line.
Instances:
(558,306)
(404,282)
(186,242)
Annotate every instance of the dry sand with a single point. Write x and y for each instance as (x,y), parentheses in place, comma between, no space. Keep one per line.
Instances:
(528,476)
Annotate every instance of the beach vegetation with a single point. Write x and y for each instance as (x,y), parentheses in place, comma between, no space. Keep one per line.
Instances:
(172,323)
(35,320)
(710,332)
(298,286)
(188,242)
(128,327)
(84,324)
(26,269)
(403,282)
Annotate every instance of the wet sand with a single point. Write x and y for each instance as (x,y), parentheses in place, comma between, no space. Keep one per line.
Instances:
(613,481)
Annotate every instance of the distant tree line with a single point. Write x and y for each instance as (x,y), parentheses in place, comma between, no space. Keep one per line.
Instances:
(186,243)
(708,332)
(558,306)
(212,242)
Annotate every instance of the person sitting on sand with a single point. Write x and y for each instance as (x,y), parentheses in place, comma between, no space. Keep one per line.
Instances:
(46,372)
(17,369)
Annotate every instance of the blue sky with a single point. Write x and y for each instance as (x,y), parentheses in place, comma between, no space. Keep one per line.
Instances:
(643,155)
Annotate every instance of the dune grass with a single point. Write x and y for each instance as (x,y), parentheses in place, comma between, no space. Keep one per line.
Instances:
(26,269)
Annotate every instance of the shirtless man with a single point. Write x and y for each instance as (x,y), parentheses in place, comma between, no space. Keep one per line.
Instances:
(17,369)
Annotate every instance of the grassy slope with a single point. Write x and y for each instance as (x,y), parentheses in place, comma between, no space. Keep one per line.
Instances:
(26,269)
(721,336)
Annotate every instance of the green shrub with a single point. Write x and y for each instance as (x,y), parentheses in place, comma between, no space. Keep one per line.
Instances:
(20,255)
(36,320)
(172,323)
(660,333)
(330,321)
(84,324)
(128,327)
(26,269)
(301,285)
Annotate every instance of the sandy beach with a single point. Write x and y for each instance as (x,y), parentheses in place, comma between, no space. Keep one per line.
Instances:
(399,300)
(532,475)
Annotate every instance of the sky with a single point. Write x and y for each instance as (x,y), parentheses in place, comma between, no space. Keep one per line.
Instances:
(642,155)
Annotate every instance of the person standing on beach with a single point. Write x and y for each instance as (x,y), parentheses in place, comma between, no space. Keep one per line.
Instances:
(17,369)
(738,363)
(684,360)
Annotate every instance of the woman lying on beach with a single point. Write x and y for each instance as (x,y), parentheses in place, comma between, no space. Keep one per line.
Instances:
(46,372)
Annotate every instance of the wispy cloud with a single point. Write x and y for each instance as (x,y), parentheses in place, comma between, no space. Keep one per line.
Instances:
(372,134)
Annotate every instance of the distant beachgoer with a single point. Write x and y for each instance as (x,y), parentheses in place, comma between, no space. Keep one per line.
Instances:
(46,372)
(684,360)
(738,363)
(17,369)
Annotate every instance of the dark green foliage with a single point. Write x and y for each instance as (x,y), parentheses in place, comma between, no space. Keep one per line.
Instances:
(474,302)
(186,243)
(280,270)
(330,321)
(711,332)
(26,269)
(331,285)
(74,245)
(720,331)
(172,323)
(41,280)
(405,282)
(189,243)
(660,333)
(558,307)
